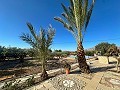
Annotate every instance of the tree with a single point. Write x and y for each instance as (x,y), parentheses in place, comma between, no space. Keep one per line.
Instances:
(31,52)
(113,50)
(41,43)
(106,48)
(76,19)
(89,53)
(3,52)
(102,47)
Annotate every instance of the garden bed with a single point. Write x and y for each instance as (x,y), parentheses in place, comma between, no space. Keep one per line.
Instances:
(10,69)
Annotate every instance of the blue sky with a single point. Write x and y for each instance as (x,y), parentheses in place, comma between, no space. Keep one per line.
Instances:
(104,24)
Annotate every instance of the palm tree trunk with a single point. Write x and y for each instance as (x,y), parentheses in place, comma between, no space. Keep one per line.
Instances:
(81,59)
(44,74)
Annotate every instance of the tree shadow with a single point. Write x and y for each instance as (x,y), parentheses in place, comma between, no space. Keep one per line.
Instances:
(13,72)
(94,69)
(75,72)
(113,62)
(101,69)
(8,64)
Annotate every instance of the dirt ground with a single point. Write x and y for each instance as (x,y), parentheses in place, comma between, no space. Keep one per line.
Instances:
(11,68)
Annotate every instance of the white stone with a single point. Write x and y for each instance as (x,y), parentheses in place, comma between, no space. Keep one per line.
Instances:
(68,83)
(115,81)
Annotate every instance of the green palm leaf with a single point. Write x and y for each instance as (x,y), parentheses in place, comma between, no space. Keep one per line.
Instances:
(28,39)
(76,17)
(32,30)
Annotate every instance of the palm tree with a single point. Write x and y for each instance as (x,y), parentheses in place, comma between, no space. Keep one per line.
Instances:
(76,19)
(41,43)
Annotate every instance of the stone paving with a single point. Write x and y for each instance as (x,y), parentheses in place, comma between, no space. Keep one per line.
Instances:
(67,82)
(111,80)
(104,77)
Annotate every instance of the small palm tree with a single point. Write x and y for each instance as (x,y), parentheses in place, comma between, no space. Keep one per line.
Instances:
(41,43)
(76,19)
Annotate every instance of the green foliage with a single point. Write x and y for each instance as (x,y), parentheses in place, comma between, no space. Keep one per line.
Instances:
(102,47)
(64,55)
(3,52)
(58,51)
(12,53)
(12,85)
(106,48)
(31,52)
(89,53)
(40,42)
(76,17)
(30,81)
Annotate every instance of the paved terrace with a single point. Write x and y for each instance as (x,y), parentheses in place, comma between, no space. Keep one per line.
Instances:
(104,77)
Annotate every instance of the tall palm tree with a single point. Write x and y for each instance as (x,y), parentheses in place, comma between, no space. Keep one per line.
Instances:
(41,43)
(76,19)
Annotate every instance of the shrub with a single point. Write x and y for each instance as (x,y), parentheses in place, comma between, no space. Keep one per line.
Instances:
(30,81)
(12,85)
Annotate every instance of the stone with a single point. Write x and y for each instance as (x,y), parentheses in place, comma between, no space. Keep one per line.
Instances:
(103,59)
(66,82)
(115,81)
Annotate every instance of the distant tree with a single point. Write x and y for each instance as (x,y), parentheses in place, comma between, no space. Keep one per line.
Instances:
(58,50)
(21,54)
(105,48)
(3,52)
(102,47)
(66,52)
(59,53)
(41,43)
(31,52)
(50,50)
(89,53)
(12,52)
(113,50)
(76,19)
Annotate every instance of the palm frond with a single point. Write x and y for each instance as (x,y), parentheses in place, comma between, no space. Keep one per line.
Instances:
(77,12)
(50,35)
(69,15)
(84,12)
(76,17)
(89,14)
(65,9)
(42,39)
(66,25)
(28,39)
(71,4)
(32,30)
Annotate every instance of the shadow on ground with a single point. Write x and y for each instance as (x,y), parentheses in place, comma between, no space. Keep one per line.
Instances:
(95,70)
(76,72)
(101,69)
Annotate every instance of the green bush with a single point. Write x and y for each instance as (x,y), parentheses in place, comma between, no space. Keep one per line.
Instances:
(12,85)
(89,53)
(30,81)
